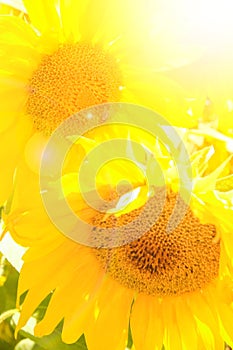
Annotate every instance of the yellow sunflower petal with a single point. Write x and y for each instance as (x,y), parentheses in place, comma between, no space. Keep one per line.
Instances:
(146,323)
(71,14)
(16,31)
(207,339)
(119,304)
(209,182)
(226,315)
(172,337)
(34,151)
(74,325)
(82,301)
(12,85)
(108,29)
(187,325)
(54,260)
(203,311)
(200,160)
(43,15)
(225,184)
(15,139)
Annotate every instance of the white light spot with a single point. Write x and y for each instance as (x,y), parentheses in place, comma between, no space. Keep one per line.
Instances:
(89,116)
(230,105)
(190,112)
(12,251)
(230,145)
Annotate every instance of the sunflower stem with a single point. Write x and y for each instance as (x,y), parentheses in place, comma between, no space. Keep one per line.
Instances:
(7,314)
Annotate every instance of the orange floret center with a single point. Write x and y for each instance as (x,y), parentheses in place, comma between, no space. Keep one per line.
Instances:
(74,77)
(161,262)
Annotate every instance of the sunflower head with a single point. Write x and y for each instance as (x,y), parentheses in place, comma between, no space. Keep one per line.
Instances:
(165,268)
(74,77)
(57,58)
(163,262)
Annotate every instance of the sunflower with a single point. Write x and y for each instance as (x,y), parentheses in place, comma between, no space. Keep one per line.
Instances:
(63,56)
(174,288)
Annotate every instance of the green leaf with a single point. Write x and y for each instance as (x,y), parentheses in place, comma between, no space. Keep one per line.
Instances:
(130,338)
(41,309)
(9,289)
(37,347)
(53,341)
(7,340)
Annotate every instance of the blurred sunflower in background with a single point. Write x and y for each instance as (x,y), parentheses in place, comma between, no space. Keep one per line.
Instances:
(63,56)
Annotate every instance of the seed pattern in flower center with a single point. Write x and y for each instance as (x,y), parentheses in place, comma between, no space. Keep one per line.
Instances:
(163,263)
(72,78)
